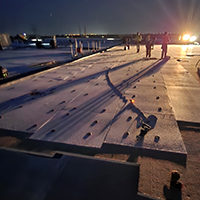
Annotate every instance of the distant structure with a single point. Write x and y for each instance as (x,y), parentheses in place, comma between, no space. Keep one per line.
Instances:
(85,31)
(79,29)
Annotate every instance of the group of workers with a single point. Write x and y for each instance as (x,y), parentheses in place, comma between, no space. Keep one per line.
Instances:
(150,44)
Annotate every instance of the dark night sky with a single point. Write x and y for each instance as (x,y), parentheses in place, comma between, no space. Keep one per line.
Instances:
(48,17)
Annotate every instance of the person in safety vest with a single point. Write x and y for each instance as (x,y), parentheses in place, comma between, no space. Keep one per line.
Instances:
(138,40)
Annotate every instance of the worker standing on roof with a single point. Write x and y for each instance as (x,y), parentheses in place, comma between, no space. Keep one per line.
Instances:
(138,40)
(148,46)
(165,40)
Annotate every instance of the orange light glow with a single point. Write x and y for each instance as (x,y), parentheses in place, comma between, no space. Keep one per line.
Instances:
(132,101)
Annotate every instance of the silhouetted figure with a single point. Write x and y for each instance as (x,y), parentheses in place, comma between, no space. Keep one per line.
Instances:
(149,46)
(53,42)
(127,45)
(39,45)
(165,40)
(138,40)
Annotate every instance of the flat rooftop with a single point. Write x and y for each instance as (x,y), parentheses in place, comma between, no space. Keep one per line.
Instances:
(86,102)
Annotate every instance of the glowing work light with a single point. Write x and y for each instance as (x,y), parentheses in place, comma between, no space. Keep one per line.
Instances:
(186,37)
(132,101)
(193,38)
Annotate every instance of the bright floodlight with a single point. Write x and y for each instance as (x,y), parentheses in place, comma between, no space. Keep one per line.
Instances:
(193,38)
(186,37)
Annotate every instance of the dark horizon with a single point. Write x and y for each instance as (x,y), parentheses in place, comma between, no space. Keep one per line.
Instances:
(100,17)
(97,35)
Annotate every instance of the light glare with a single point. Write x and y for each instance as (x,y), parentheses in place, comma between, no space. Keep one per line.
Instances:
(34,40)
(193,38)
(186,37)
(184,48)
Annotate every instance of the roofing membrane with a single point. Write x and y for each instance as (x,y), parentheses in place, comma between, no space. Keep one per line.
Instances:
(86,103)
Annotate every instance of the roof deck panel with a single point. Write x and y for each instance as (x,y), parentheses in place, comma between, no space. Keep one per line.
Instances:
(86,102)
(163,126)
